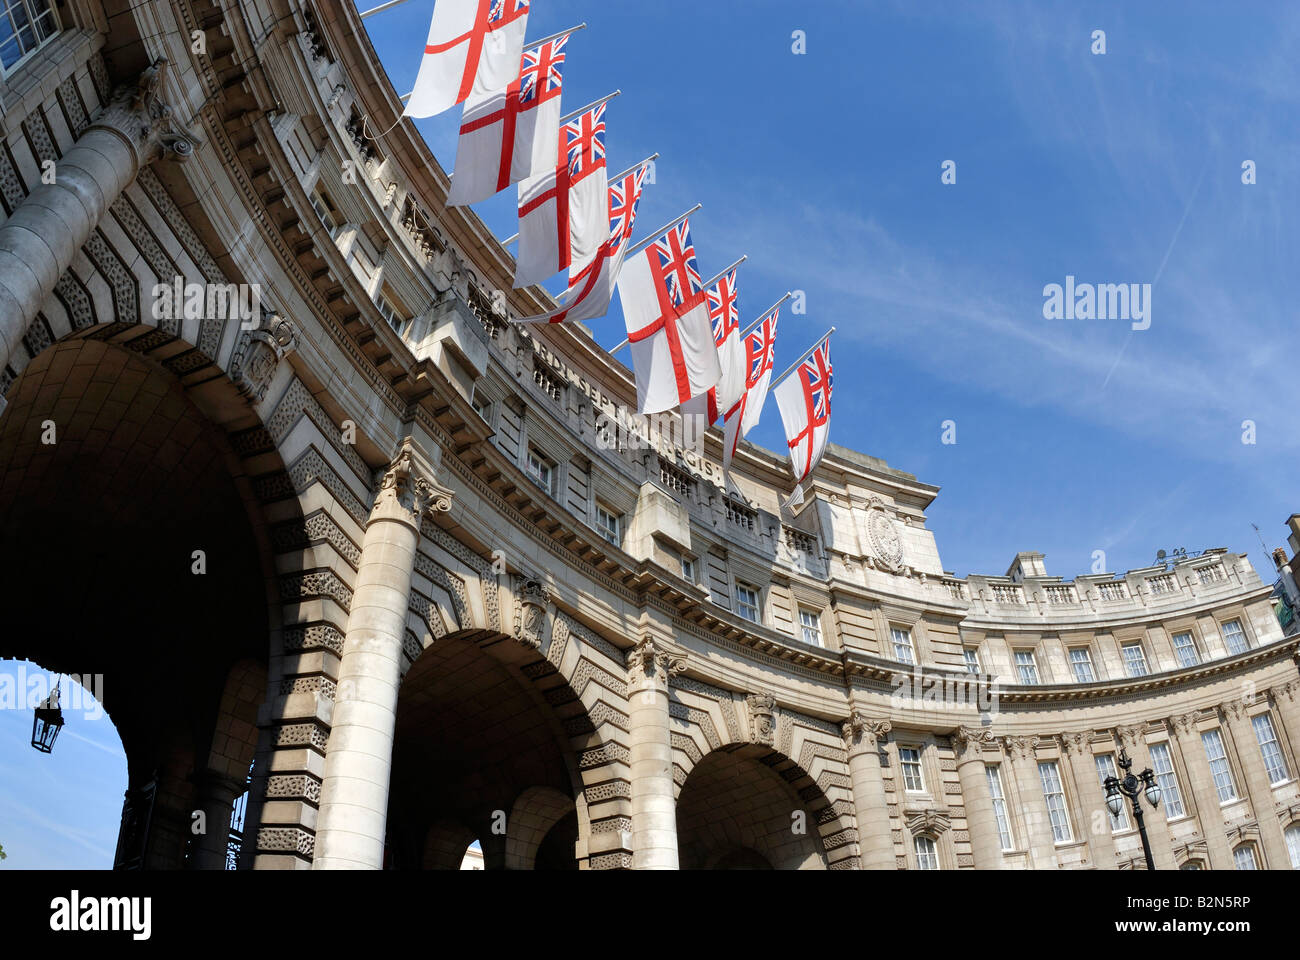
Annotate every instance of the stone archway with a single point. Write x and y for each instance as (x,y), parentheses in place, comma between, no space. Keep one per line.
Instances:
(735,812)
(133,547)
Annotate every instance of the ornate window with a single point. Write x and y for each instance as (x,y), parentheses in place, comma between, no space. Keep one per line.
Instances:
(1234,637)
(1135,660)
(1214,752)
(1185,650)
(994,773)
(1274,762)
(1163,765)
(1050,778)
(903,649)
(1244,857)
(909,758)
(1106,768)
(1027,667)
(927,854)
(24,26)
(810,626)
(1081,664)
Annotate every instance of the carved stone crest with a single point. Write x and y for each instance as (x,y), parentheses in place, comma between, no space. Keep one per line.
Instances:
(762,718)
(886,544)
(259,352)
(532,598)
(931,822)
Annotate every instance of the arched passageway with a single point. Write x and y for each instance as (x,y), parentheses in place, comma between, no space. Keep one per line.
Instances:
(479,753)
(127,550)
(735,813)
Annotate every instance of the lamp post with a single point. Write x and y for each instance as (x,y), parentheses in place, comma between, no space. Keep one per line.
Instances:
(47,721)
(1133,787)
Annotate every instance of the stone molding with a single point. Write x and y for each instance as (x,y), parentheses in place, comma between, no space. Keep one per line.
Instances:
(407,493)
(861,730)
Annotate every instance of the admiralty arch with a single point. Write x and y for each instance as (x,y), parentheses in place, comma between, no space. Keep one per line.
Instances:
(439,605)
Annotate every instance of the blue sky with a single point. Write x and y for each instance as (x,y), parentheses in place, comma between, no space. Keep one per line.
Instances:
(824,168)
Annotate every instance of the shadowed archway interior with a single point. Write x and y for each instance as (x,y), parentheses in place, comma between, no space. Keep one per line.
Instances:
(98,534)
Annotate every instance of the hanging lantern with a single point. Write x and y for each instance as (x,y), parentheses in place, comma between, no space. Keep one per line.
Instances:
(47,722)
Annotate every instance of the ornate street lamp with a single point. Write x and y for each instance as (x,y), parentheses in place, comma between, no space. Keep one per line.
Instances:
(47,722)
(1133,787)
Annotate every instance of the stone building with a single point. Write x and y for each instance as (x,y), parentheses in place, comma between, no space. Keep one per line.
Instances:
(380,545)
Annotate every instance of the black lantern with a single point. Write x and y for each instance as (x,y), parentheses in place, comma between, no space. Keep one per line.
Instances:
(1133,786)
(47,722)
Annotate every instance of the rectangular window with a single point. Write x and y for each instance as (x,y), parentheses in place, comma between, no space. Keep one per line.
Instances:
(1081,663)
(903,652)
(1163,764)
(810,626)
(1218,758)
(1135,660)
(909,758)
(994,773)
(688,571)
(1054,794)
(1185,650)
(24,26)
(324,209)
(610,524)
(1244,857)
(1106,768)
(1235,637)
(1274,762)
(747,602)
(391,312)
(972,658)
(927,856)
(541,470)
(1027,667)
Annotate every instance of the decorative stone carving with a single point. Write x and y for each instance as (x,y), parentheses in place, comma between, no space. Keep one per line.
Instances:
(762,718)
(405,495)
(930,821)
(139,111)
(1021,747)
(886,544)
(532,598)
(969,742)
(1073,742)
(648,658)
(259,353)
(1128,735)
(861,729)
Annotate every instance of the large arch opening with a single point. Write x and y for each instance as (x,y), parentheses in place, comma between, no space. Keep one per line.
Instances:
(479,754)
(735,812)
(128,551)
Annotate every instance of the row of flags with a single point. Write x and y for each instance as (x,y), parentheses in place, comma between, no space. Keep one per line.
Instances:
(688,348)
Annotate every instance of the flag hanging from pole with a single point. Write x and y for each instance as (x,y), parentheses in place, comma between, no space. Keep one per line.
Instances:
(564,214)
(667,317)
(759,349)
(589,293)
(724,317)
(473,47)
(512,134)
(804,399)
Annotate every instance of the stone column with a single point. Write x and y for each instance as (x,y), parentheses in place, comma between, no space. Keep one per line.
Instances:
(1201,786)
(654,808)
(981,822)
(358,758)
(1258,788)
(863,737)
(1039,840)
(40,239)
(216,794)
(1089,806)
(1132,739)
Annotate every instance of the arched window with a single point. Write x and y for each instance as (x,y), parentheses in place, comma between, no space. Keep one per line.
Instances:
(1293,845)
(927,854)
(1192,865)
(1244,857)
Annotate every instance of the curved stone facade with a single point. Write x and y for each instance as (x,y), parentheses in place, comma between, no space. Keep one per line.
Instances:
(495,610)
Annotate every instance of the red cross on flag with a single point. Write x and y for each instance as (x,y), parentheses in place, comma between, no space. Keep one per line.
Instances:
(804,399)
(589,293)
(759,349)
(724,317)
(512,134)
(473,47)
(564,214)
(667,316)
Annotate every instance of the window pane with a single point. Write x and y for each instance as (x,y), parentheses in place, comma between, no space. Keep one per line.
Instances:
(810,627)
(1081,661)
(910,760)
(1293,846)
(1244,857)
(1106,768)
(972,660)
(1026,667)
(993,772)
(1135,661)
(927,856)
(1274,762)
(1185,650)
(1053,793)
(1214,752)
(1163,765)
(1234,637)
(903,652)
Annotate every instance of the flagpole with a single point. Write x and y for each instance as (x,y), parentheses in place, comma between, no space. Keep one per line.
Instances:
(631,250)
(617,176)
(765,314)
(712,280)
(594,103)
(807,353)
(381,8)
(527,46)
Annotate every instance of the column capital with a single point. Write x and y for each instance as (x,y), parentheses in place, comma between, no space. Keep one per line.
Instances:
(409,491)
(970,741)
(1073,742)
(1021,748)
(1182,724)
(651,658)
(138,113)
(1128,735)
(859,730)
